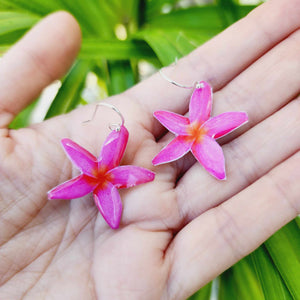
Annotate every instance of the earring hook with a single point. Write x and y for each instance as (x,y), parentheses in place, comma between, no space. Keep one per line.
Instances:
(173,81)
(113,126)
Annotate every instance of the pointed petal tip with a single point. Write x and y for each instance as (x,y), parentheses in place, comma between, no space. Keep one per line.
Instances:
(49,195)
(66,141)
(156,161)
(109,204)
(113,148)
(243,118)
(222,177)
(156,113)
(174,122)
(202,84)
(219,176)
(74,188)
(114,224)
(246,118)
(151,175)
(52,196)
(200,102)
(176,149)
(225,123)
(159,112)
(243,115)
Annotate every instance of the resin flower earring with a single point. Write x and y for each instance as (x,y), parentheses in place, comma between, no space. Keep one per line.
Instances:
(102,176)
(198,132)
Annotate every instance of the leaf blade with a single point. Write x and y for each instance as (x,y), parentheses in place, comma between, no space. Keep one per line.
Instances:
(68,96)
(115,49)
(272,284)
(284,248)
(240,282)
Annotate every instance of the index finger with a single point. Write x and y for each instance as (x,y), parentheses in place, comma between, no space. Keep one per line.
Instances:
(44,54)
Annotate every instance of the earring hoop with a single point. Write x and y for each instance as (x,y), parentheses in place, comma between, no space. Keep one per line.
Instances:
(113,126)
(164,76)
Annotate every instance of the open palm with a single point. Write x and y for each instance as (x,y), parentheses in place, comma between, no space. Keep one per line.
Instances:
(184,228)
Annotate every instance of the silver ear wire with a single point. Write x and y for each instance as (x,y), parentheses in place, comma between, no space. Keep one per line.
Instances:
(174,82)
(113,126)
(163,75)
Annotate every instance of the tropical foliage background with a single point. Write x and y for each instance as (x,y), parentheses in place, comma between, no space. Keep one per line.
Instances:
(123,40)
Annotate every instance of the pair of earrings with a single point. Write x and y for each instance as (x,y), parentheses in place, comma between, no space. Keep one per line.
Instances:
(103,176)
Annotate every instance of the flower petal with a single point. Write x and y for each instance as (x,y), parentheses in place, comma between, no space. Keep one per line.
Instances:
(174,150)
(129,176)
(209,153)
(113,148)
(83,159)
(200,103)
(173,122)
(225,123)
(109,204)
(74,188)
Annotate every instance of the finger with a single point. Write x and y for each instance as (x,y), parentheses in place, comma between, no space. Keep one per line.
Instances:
(247,93)
(223,235)
(221,59)
(254,153)
(247,159)
(43,55)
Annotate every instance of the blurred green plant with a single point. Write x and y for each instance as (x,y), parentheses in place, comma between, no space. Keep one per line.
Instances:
(117,36)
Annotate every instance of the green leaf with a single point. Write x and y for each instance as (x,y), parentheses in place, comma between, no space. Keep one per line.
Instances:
(228,11)
(243,10)
(176,34)
(120,77)
(240,282)
(23,118)
(297,220)
(154,8)
(204,18)
(10,38)
(272,283)
(171,44)
(284,248)
(124,12)
(68,96)
(203,293)
(115,50)
(165,50)
(94,20)
(12,21)
(33,6)
(3,49)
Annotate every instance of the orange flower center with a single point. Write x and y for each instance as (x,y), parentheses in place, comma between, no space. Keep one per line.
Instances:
(101,176)
(196,132)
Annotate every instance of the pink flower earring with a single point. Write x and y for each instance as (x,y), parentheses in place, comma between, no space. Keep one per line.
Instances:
(102,176)
(198,132)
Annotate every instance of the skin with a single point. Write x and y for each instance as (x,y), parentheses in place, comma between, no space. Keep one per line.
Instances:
(182,230)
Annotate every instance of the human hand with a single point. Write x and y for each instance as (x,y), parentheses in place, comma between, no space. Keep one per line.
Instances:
(184,228)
